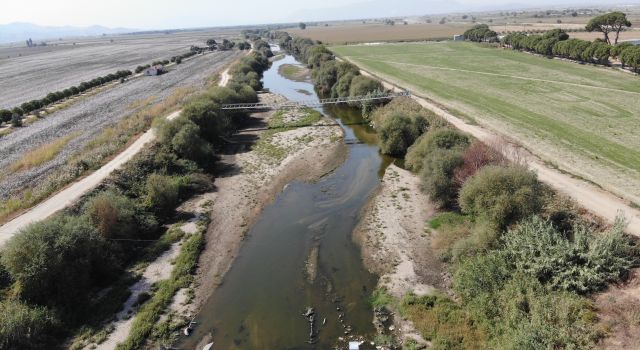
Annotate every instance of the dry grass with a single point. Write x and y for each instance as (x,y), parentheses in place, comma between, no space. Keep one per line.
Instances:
(627,35)
(95,153)
(619,314)
(358,33)
(42,154)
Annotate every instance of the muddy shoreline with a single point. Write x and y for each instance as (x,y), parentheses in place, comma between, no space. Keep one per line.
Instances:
(396,246)
(242,194)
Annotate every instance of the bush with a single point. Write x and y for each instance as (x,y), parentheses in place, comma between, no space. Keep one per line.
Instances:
(435,139)
(583,262)
(163,193)
(502,195)
(16,121)
(361,85)
(188,144)
(437,176)
(25,327)
(117,216)
(475,157)
(343,86)
(57,261)
(5,115)
(204,112)
(443,322)
(398,132)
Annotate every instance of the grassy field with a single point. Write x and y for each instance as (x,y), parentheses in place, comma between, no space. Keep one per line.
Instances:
(583,119)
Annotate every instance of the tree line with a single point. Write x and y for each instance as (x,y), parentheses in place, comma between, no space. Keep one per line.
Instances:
(556,43)
(69,271)
(331,77)
(15,115)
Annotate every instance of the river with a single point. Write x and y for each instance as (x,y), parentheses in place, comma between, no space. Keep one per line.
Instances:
(261,302)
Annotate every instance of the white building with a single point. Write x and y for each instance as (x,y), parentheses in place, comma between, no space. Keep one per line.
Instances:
(458,38)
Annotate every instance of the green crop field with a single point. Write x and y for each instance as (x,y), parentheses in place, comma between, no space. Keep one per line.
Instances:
(581,118)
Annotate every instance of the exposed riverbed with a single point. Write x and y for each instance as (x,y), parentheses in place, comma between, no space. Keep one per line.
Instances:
(300,254)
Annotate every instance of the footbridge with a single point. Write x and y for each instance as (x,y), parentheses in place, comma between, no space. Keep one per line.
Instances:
(313,103)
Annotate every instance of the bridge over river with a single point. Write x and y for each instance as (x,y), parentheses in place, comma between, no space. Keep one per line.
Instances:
(314,103)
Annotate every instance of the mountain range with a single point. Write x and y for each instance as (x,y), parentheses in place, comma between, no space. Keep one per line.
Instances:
(20,31)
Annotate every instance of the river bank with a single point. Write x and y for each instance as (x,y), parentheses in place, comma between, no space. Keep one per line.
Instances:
(396,245)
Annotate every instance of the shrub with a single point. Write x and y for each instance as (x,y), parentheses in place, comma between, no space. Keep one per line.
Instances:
(443,322)
(475,157)
(343,86)
(502,195)
(204,112)
(163,193)
(16,121)
(398,132)
(117,216)
(57,261)
(437,176)
(361,85)
(5,115)
(583,262)
(188,144)
(440,138)
(25,327)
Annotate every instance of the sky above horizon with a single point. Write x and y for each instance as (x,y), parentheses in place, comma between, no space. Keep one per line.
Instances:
(148,14)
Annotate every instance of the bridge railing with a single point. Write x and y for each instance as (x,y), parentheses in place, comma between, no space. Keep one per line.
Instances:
(313,103)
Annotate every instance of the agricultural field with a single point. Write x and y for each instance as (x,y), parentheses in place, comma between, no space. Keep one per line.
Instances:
(31,73)
(581,119)
(358,33)
(71,128)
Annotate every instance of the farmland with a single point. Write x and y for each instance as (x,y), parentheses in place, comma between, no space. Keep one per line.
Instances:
(89,116)
(357,33)
(30,73)
(582,119)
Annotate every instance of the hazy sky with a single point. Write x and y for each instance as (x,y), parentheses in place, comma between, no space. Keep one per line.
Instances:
(147,14)
(154,13)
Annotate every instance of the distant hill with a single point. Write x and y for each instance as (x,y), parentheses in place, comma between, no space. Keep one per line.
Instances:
(19,31)
(396,8)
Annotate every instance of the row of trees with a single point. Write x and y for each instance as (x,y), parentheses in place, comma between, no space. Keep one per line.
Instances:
(331,78)
(57,96)
(557,43)
(52,272)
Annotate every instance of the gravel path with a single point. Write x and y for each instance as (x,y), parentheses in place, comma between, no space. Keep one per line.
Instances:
(91,115)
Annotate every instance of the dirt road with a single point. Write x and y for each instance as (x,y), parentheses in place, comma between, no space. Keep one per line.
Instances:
(590,197)
(72,193)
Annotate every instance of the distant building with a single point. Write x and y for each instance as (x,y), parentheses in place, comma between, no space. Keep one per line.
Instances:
(155,70)
(354,345)
(458,38)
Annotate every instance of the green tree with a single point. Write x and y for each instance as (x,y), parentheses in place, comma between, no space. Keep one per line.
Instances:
(5,115)
(302,26)
(502,195)
(56,262)
(435,139)
(437,176)
(398,132)
(612,22)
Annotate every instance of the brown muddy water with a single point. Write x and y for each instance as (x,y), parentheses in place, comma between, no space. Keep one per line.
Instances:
(300,254)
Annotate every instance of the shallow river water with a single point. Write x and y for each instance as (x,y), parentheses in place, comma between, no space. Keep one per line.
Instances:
(261,301)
